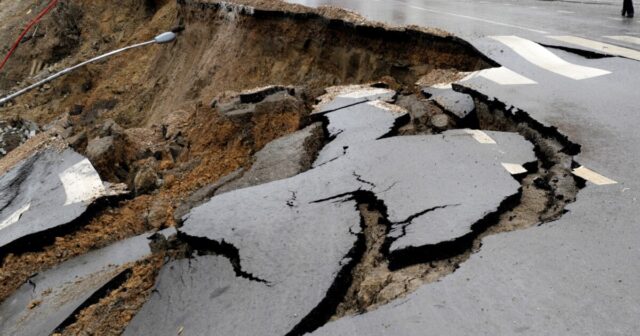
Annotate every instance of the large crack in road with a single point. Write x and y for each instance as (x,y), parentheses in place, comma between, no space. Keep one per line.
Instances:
(276,219)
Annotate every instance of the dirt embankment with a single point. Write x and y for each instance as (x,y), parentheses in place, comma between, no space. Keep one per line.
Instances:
(150,110)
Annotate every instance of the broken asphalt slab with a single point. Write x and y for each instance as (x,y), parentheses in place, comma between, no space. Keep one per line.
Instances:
(48,189)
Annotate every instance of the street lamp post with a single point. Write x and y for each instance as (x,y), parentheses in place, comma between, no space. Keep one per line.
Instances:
(160,39)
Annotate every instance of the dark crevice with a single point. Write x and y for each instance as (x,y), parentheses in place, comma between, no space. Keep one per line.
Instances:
(323,312)
(580,52)
(205,246)
(115,283)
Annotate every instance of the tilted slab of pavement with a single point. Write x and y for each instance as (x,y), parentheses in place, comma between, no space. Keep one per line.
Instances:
(48,189)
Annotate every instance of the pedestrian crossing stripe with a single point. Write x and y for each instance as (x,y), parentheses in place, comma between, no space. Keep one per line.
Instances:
(627,39)
(543,58)
(480,136)
(514,168)
(502,76)
(599,46)
(592,176)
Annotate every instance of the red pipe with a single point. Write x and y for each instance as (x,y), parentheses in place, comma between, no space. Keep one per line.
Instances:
(37,19)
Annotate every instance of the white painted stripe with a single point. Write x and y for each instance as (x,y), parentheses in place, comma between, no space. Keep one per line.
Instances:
(514,168)
(565,12)
(14,217)
(599,46)
(395,109)
(627,39)
(478,19)
(373,93)
(592,176)
(442,86)
(480,136)
(81,183)
(502,76)
(547,60)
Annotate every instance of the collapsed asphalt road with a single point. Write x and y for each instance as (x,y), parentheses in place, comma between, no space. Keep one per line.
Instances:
(353,211)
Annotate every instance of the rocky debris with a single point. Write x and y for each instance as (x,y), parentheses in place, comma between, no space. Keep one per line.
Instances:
(50,298)
(146,179)
(14,133)
(101,149)
(244,104)
(458,104)
(421,111)
(439,121)
(78,140)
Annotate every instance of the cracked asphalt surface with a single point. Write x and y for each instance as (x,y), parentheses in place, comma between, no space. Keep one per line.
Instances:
(276,248)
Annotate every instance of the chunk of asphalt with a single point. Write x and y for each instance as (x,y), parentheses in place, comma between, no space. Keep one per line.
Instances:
(46,190)
(282,158)
(354,96)
(471,183)
(457,103)
(357,124)
(39,306)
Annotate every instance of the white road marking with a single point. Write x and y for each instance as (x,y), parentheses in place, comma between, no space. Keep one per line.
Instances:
(600,46)
(14,217)
(479,19)
(81,183)
(592,176)
(502,76)
(373,93)
(442,86)
(547,60)
(480,136)
(628,39)
(565,12)
(395,109)
(514,168)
